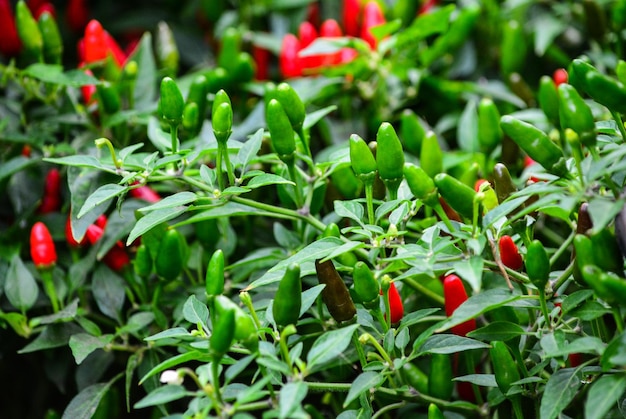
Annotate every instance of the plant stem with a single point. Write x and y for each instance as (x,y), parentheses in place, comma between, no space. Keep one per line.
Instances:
(369,199)
(444,217)
(380,349)
(218,167)
(174,136)
(619,321)
(222,149)
(293,174)
(215,369)
(287,213)
(48,284)
(544,307)
(620,124)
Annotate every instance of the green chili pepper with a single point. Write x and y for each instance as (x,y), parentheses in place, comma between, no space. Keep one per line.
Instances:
(169,261)
(584,254)
(489,131)
(244,325)
(431,156)
(415,377)
(109,98)
(214,282)
(606,90)
(606,285)
(366,286)
(288,298)
(223,332)
(281,131)
(536,144)
(504,366)
(513,48)
(440,384)
(606,253)
(348,258)
(503,182)
(335,295)
(29,33)
(222,120)
(361,158)
(434,412)
(143,261)
(217,79)
(292,105)
(577,72)
(537,264)
(198,95)
(172,103)
(52,42)
(421,185)
(412,131)
(549,99)
(574,113)
(458,195)
(389,157)
(229,49)
(244,68)
(166,50)
(191,118)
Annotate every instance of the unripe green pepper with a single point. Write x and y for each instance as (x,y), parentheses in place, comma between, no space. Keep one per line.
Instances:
(288,298)
(217,78)
(606,252)
(244,325)
(169,261)
(361,158)
(489,131)
(503,182)
(504,366)
(606,286)
(434,412)
(366,286)
(389,157)
(29,33)
(583,251)
(244,69)
(606,90)
(166,50)
(222,120)
(292,105)
(415,377)
(335,295)
(537,264)
(281,131)
(172,103)
(143,261)
(513,48)
(431,156)
(223,332)
(548,96)
(458,195)
(421,185)
(191,118)
(109,98)
(536,144)
(214,281)
(198,94)
(440,384)
(411,131)
(577,72)
(229,49)
(52,42)
(575,114)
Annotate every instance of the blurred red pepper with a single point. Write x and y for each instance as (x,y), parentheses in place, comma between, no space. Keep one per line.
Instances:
(330,29)
(88,90)
(350,17)
(560,76)
(117,257)
(34,5)
(77,15)
(26,150)
(95,44)
(509,254)
(145,193)
(114,48)
(396,308)
(289,62)
(262,59)
(42,249)
(372,16)
(10,44)
(313,14)
(51,200)
(306,35)
(45,7)
(455,295)
(101,221)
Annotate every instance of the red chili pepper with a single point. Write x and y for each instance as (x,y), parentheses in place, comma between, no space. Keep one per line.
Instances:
(10,44)
(69,237)
(94,233)
(289,61)
(455,295)
(42,249)
(95,46)
(45,7)
(88,90)
(51,201)
(350,17)
(77,15)
(575,359)
(26,150)
(34,5)
(396,308)
(331,29)
(262,59)
(114,49)
(307,34)
(478,183)
(117,258)
(509,253)
(372,16)
(560,76)
(101,221)
(145,193)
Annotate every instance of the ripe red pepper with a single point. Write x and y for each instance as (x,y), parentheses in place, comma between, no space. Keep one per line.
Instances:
(69,237)
(34,5)
(289,62)
(42,249)
(10,44)
(114,49)
(350,17)
(117,257)
(307,34)
(509,253)
(88,90)
(262,59)
(455,295)
(95,45)
(560,76)
(51,201)
(372,16)
(77,15)
(145,193)
(331,29)
(396,308)
(44,7)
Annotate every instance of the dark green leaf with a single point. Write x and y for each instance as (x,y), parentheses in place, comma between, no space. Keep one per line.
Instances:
(290,398)
(499,330)
(176,200)
(329,346)
(108,291)
(153,219)
(20,286)
(85,403)
(83,344)
(162,395)
(364,382)
(103,194)
(559,392)
(448,344)
(603,395)
(194,311)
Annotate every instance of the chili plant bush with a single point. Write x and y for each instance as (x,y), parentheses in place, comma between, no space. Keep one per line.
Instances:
(313,209)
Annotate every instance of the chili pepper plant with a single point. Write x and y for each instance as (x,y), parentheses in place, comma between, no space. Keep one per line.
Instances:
(294,209)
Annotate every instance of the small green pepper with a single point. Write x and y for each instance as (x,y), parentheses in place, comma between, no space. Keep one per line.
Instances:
(411,131)
(366,286)
(513,48)
(577,72)
(288,299)
(281,131)
(606,251)
(504,366)
(434,412)
(574,113)
(606,285)
(440,384)
(536,144)
(222,121)
(361,158)
(503,182)
(214,281)
(335,295)
(143,261)
(29,33)
(244,69)
(584,254)
(292,105)
(489,131)
(415,377)
(458,195)
(223,332)
(109,98)
(389,158)
(606,90)
(166,50)
(537,264)
(244,325)
(171,103)
(191,118)
(421,185)
(229,49)
(431,156)
(169,260)
(52,42)
(549,99)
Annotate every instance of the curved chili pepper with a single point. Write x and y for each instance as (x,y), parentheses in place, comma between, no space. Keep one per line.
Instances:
(440,384)
(29,33)
(350,13)
(214,282)
(548,97)
(415,377)
(421,185)
(10,43)
(366,286)
(52,42)
(412,132)
(372,16)
(289,61)
(396,307)
(42,249)
(288,298)
(431,156)
(458,195)
(606,90)
(361,158)
(335,294)
(77,15)
(537,264)
(51,200)
(169,261)
(489,131)
(454,295)
(504,366)
(509,254)
(575,114)
(281,131)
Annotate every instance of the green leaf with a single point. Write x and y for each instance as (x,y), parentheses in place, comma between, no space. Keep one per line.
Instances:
(290,398)
(364,382)
(267,179)
(83,344)
(425,25)
(176,332)
(82,182)
(602,211)
(108,291)
(559,392)
(20,286)
(471,270)
(69,312)
(153,219)
(499,330)
(77,161)
(314,117)
(103,194)
(195,311)
(131,365)
(467,130)
(483,380)
(145,91)
(162,395)
(603,395)
(590,310)
(350,209)
(52,73)
(309,296)
(502,210)
(15,165)
(176,200)
(575,299)
(615,353)
(85,403)
(53,336)
(448,344)
(547,28)
(250,149)
(136,322)
(18,322)
(329,346)
(585,344)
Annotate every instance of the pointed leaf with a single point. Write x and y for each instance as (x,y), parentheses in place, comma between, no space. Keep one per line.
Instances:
(559,392)
(103,194)
(329,346)
(364,382)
